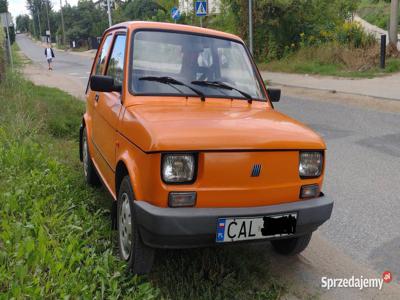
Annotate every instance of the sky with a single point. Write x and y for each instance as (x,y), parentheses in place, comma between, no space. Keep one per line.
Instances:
(18,7)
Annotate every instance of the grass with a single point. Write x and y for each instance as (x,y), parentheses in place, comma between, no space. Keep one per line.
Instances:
(334,60)
(375,12)
(55,235)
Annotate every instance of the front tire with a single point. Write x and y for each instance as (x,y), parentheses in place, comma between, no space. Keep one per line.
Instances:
(138,256)
(291,246)
(88,168)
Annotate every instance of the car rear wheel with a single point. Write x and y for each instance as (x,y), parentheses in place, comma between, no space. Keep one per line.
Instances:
(291,246)
(131,247)
(88,168)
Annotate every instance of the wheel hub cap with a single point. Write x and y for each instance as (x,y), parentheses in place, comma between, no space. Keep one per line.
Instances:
(125,227)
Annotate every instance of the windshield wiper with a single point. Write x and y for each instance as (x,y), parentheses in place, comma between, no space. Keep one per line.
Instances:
(170,80)
(219,84)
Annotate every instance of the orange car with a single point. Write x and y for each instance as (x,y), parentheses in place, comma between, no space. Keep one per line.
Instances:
(181,130)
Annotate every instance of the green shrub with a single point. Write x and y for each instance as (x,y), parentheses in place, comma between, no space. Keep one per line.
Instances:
(353,35)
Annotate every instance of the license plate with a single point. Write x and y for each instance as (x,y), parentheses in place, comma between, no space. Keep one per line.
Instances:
(254,228)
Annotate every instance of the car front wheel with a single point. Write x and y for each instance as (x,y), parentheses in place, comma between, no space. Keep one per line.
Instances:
(291,246)
(138,256)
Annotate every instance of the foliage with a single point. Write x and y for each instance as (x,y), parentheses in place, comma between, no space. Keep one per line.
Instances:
(3,6)
(22,23)
(376,12)
(279,24)
(84,20)
(334,59)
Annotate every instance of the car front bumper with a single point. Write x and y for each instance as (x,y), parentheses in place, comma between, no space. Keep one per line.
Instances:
(196,227)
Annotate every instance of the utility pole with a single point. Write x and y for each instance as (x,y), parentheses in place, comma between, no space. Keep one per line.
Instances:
(34,26)
(251,25)
(40,28)
(8,41)
(62,22)
(48,20)
(109,13)
(394,22)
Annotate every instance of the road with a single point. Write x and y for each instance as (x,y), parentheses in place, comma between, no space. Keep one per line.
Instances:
(362,175)
(70,70)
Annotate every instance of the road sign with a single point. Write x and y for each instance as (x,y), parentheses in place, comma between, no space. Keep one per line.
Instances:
(201,8)
(6,20)
(175,13)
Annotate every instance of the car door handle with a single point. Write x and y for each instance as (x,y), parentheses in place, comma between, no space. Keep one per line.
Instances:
(96,97)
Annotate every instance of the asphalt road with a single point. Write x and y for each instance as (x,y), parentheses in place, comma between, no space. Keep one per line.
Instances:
(362,176)
(362,170)
(66,63)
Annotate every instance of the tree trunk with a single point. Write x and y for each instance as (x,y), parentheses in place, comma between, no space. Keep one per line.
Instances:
(394,23)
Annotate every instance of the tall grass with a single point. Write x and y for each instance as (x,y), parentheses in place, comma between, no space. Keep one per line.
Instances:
(55,238)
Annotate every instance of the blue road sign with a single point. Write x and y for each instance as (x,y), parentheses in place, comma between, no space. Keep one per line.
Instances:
(175,13)
(201,8)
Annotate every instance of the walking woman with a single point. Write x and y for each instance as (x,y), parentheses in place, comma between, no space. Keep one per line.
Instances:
(49,53)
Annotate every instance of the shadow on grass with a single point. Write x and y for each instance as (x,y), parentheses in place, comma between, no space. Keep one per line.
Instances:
(229,272)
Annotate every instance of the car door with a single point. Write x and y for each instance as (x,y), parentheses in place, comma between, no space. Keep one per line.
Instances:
(108,107)
(92,101)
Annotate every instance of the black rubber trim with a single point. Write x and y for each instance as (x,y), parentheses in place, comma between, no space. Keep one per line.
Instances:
(195,227)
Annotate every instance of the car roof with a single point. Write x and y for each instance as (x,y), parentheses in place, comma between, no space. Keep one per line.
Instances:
(134,25)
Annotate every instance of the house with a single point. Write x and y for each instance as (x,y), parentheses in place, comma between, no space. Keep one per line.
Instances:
(187,6)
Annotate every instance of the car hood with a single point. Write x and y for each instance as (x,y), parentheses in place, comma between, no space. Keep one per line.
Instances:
(229,125)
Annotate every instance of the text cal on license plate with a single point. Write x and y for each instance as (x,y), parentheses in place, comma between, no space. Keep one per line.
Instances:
(253,228)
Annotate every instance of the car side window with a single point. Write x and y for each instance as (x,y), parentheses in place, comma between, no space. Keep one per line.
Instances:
(115,66)
(101,62)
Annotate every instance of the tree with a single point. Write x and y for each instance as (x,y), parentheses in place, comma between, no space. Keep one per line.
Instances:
(141,10)
(22,23)
(3,6)
(394,21)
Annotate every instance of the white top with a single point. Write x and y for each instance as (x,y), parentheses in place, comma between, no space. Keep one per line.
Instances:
(48,53)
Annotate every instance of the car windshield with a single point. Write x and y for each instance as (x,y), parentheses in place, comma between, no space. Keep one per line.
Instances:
(190,58)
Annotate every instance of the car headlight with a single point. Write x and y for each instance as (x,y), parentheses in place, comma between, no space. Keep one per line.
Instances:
(178,168)
(310,165)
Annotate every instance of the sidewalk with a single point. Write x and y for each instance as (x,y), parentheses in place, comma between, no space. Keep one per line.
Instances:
(381,87)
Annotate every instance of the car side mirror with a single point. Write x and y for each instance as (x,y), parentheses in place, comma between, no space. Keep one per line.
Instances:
(104,83)
(274,94)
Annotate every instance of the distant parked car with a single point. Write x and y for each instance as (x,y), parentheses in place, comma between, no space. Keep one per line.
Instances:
(182,131)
